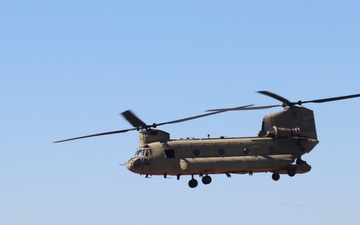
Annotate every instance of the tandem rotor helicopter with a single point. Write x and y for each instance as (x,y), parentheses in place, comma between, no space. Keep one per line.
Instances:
(284,137)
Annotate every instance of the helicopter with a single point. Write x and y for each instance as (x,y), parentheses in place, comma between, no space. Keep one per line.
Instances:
(285,136)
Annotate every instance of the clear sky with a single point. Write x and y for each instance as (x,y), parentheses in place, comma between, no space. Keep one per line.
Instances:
(68,68)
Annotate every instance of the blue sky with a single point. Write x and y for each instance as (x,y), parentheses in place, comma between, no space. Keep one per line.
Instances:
(69,68)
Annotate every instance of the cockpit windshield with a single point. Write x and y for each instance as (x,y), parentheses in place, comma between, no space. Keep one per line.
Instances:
(144,152)
(139,153)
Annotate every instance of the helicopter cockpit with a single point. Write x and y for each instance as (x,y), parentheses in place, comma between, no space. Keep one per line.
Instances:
(142,157)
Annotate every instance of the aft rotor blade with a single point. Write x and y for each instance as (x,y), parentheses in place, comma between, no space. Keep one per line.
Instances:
(199,116)
(133,119)
(286,102)
(278,97)
(331,99)
(94,135)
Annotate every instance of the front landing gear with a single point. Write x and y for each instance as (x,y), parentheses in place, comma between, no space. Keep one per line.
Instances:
(193,183)
(206,179)
(275,176)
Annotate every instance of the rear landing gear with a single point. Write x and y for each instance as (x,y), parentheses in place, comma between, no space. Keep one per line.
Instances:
(291,172)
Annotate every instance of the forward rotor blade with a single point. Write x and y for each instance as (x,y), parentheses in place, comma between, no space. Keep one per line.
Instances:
(242,108)
(201,115)
(133,119)
(331,99)
(94,135)
(278,97)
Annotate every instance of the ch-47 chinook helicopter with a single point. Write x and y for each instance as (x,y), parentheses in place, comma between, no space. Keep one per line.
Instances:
(284,137)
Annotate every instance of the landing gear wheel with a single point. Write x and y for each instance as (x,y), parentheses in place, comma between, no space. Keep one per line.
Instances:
(193,183)
(206,179)
(291,172)
(275,176)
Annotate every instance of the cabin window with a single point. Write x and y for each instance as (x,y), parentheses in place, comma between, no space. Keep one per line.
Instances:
(169,153)
(221,151)
(196,152)
(246,151)
(271,150)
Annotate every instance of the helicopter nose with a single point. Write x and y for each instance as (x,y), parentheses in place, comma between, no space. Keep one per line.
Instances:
(133,164)
(128,165)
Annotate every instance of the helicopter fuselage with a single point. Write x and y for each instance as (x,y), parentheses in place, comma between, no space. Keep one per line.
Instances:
(221,156)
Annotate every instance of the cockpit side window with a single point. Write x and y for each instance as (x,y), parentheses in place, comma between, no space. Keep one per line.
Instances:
(148,153)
